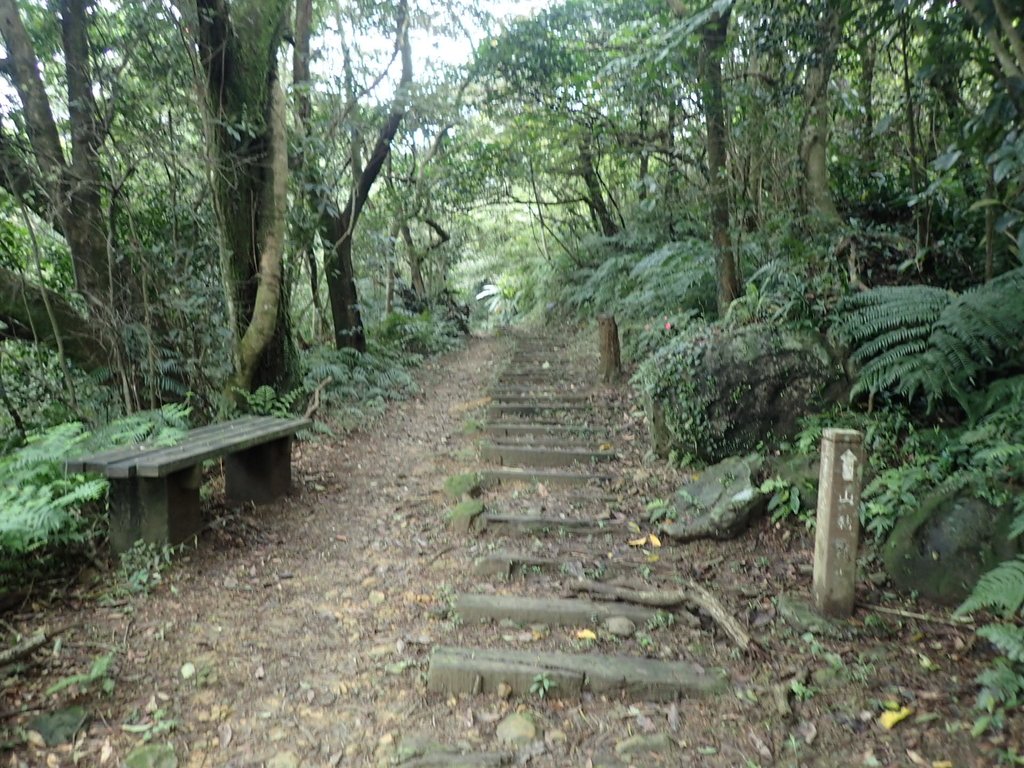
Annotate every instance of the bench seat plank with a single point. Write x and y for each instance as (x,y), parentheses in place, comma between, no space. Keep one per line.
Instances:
(98,462)
(235,436)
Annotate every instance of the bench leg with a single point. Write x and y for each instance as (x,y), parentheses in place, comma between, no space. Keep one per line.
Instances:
(259,474)
(163,510)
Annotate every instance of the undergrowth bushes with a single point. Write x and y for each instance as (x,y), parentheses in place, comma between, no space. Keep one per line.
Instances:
(41,506)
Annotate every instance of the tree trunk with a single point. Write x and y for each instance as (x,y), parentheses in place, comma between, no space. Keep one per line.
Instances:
(814,132)
(37,314)
(595,197)
(237,46)
(66,193)
(868,56)
(710,62)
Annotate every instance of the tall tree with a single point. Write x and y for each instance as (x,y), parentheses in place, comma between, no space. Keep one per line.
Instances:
(64,191)
(714,29)
(827,34)
(237,45)
(337,224)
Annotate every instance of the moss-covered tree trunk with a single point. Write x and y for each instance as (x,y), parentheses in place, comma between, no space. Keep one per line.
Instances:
(815,130)
(713,94)
(237,44)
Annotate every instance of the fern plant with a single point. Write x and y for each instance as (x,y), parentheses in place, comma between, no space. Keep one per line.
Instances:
(1001,590)
(41,506)
(1002,683)
(923,340)
(266,402)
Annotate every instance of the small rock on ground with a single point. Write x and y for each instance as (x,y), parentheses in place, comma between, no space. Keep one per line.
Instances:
(620,626)
(517,729)
(658,742)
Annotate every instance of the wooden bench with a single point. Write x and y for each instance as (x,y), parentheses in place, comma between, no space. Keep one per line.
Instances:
(154,491)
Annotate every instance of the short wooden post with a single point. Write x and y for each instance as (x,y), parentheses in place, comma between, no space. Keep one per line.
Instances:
(611,364)
(838,523)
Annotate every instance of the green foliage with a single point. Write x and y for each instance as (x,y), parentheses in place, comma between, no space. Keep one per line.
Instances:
(922,340)
(542,685)
(266,402)
(142,566)
(785,502)
(653,293)
(421,334)
(501,299)
(98,674)
(355,387)
(41,506)
(1002,690)
(660,510)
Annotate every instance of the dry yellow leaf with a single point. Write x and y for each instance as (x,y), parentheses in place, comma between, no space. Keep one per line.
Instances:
(942,764)
(604,447)
(890,720)
(586,634)
(641,542)
(655,541)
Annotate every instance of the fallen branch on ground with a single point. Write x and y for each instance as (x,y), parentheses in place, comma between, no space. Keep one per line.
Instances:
(30,645)
(691,595)
(953,621)
(314,399)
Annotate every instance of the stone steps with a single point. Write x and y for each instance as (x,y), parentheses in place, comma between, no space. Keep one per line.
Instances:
(495,411)
(534,440)
(515,397)
(507,564)
(506,429)
(547,441)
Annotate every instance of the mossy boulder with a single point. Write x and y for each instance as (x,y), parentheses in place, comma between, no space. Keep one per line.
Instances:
(941,550)
(719,391)
(720,502)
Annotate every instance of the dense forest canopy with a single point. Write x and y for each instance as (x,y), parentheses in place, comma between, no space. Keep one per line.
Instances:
(218,206)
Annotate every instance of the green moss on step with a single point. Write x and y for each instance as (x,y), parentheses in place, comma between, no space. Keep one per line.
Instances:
(462,515)
(463,486)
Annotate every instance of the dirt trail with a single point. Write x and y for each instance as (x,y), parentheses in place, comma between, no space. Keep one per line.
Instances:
(301,634)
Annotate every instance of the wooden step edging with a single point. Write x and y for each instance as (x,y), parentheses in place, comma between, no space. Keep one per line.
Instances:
(491,477)
(480,670)
(529,456)
(503,429)
(553,611)
(498,522)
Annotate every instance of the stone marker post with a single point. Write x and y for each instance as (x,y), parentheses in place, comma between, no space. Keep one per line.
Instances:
(838,521)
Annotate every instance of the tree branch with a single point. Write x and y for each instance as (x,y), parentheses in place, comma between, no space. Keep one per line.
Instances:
(24,73)
(24,312)
(441,232)
(21,180)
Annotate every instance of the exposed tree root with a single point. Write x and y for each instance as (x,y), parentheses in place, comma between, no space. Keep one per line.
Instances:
(691,595)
